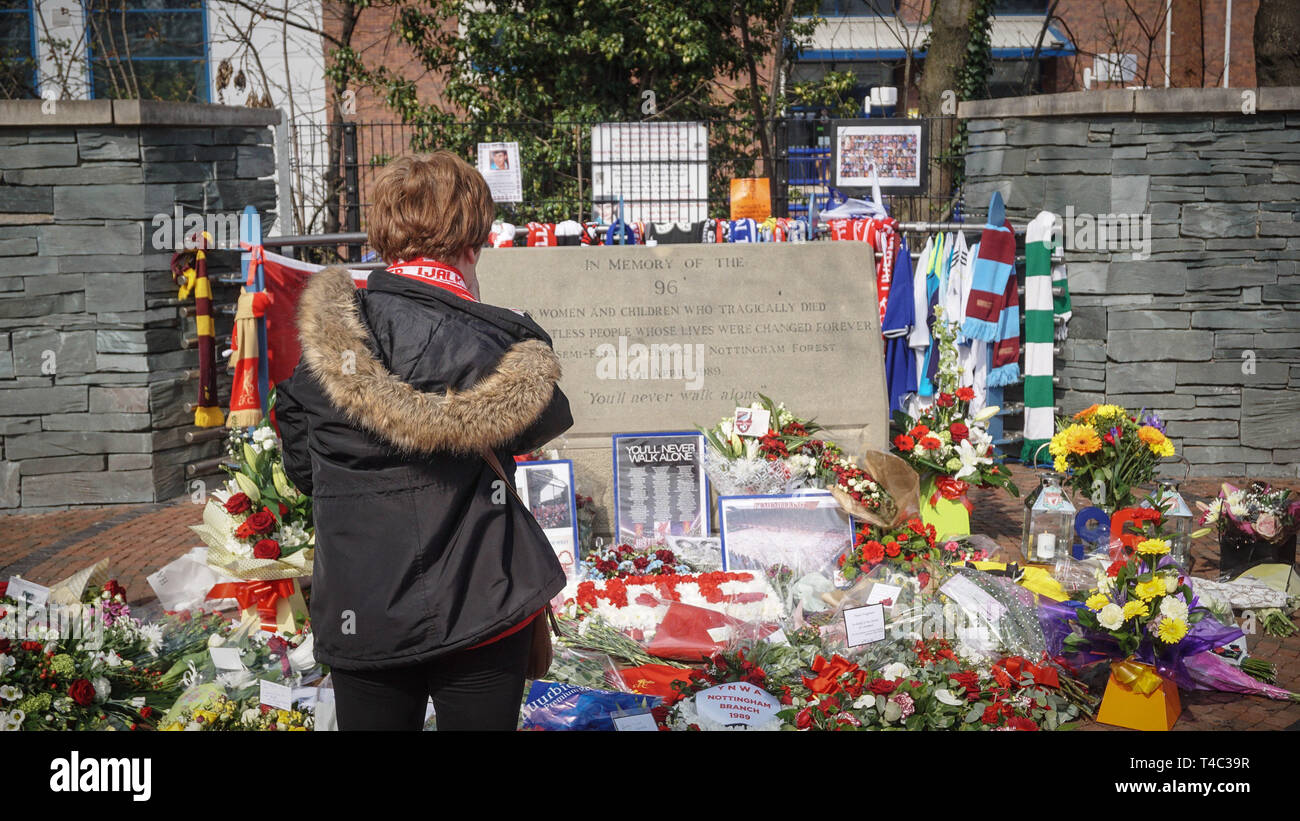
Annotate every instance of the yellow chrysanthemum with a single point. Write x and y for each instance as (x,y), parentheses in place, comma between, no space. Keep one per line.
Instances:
(1110,412)
(1076,439)
(1135,608)
(1097,601)
(1156,441)
(1146,591)
(1153,547)
(1086,414)
(1171,631)
(1060,465)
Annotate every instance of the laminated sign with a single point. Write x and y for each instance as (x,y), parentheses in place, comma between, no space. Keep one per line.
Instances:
(737,703)
(751,198)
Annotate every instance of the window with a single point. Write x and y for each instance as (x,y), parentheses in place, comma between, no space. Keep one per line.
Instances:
(148,49)
(17,50)
(857,8)
(1012,7)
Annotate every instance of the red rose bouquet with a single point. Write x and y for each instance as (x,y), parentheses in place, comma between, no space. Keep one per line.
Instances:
(259,526)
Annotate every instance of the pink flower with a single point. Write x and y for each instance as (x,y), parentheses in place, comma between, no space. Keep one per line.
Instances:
(1266,525)
(904,701)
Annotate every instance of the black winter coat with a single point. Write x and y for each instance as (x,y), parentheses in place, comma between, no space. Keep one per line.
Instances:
(419,551)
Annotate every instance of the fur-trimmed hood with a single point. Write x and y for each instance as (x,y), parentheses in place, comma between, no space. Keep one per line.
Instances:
(336,350)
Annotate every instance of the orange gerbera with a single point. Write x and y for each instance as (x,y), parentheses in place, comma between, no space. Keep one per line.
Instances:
(1154,439)
(1080,439)
(1086,413)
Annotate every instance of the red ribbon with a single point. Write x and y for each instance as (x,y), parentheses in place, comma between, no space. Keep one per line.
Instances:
(830,672)
(1018,667)
(951,489)
(265,595)
(257,259)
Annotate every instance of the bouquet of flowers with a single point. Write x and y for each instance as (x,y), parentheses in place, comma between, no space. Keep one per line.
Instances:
(866,494)
(948,447)
(259,526)
(1108,452)
(1144,608)
(1258,512)
(910,548)
(88,665)
(742,460)
(928,686)
(622,561)
(247,713)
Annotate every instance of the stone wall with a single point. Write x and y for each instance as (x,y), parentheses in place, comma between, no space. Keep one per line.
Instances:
(94,372)
(1207,329)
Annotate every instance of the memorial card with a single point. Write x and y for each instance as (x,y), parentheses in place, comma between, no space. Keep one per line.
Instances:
(499,165)
(547,490)
(659,487)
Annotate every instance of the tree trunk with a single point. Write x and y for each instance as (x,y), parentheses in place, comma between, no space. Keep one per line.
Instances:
(1277,30)
(755,98)
(349,14)
(949,36)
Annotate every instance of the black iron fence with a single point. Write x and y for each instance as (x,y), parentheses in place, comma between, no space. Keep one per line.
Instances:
(654,171)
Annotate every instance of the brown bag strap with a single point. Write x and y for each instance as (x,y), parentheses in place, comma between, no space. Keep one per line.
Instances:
(491,458)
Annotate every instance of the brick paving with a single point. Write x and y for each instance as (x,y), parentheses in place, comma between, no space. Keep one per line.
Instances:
(139,539)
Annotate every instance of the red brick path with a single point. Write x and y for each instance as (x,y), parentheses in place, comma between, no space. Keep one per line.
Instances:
(139,539)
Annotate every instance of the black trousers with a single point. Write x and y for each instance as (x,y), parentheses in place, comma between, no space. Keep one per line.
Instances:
(472,690)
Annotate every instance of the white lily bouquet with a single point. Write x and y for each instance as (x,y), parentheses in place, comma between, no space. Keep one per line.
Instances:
(765,449)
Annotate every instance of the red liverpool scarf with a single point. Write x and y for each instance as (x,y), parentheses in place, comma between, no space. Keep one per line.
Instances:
(433,272)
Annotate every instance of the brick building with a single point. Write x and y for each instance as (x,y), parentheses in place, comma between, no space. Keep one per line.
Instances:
(1086,44)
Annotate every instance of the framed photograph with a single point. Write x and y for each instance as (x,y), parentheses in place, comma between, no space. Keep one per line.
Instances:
(499,165)
(660,489)
(547,490)
(704,553)
(806,532)
(897,150)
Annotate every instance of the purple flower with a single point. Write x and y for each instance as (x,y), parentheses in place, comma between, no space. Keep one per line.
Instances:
(1153,420)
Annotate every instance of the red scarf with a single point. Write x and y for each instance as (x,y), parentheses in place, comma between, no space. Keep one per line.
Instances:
(433,272)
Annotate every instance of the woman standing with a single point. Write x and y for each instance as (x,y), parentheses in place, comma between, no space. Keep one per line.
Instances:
(429,574)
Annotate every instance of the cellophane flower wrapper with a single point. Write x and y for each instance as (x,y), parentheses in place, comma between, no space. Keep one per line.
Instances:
(1075,575)
(1206,671)
(1059,622)
(1003,624)
(748,477)
(906,612)
(898,480)
(585,668)
(554,706)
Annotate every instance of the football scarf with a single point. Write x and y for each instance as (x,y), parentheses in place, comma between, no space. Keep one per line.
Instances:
(432,272)
(1040,333)
(993,310)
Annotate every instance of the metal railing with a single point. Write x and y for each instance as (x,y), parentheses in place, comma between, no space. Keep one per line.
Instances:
(572,170)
